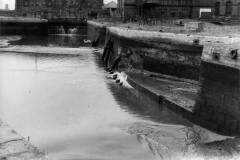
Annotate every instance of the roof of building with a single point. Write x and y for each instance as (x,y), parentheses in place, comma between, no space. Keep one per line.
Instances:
(111,4)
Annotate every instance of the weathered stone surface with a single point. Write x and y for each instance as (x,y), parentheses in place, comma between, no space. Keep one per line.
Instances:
(178,55)
(95,31)
(162,53)
(220,87)
(180,94)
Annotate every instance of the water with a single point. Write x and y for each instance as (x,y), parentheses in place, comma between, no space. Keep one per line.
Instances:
(61,40)
(71,109)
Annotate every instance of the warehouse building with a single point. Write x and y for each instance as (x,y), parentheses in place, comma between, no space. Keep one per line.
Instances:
(55,9)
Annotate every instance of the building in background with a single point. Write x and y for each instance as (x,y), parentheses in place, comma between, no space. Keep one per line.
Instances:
(111,9)
(227,8)
(5,11)
(202,8)
(59,9)
(128,8)
(166,8)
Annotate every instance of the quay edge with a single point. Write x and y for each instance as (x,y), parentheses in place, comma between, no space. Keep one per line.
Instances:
(212,103)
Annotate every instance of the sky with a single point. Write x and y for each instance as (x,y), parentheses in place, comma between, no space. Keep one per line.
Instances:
(11,3)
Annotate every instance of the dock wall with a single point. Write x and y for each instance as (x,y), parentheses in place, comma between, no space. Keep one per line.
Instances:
(219,98)
(182,56)
(154,52)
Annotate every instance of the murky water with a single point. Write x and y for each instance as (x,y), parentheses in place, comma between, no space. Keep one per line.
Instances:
(53,40)
(71,109)
(66,40)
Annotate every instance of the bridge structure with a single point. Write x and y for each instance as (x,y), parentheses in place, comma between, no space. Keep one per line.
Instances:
(23,26)
(67,21)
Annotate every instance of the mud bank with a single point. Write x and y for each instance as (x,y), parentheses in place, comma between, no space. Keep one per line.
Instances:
(14,146)
(196,76)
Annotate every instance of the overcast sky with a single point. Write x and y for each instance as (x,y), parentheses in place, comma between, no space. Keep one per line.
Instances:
(11,3)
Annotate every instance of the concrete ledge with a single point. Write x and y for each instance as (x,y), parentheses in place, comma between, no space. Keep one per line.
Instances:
(95,24)
(149,39)
(161,90)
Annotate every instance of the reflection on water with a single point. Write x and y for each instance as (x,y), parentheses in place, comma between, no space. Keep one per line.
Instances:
(66,107)
(66,40)
(137,103)
(80,30)
(70,109)
(72,37)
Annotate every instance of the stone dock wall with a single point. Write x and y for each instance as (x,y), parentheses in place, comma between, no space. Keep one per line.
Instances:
(152,51)
(219,98)
(183,56)
(97,33)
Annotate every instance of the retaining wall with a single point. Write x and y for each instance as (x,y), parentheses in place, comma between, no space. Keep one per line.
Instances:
(219,99)
(170,54)
(218,73)
(96,32)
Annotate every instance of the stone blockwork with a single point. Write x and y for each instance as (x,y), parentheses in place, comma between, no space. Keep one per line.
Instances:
(155,52)
(97,33)
(213,62)
(219,99)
